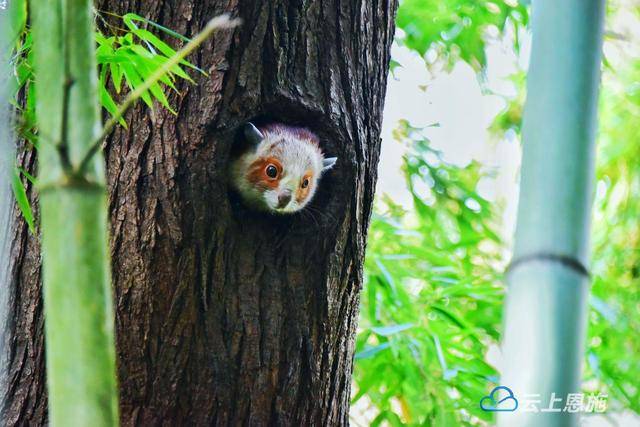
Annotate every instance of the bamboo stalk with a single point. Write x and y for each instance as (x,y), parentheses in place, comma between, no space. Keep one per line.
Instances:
(80,351)
(548,282)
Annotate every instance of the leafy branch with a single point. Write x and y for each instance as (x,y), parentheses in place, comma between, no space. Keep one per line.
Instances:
(135,57)
(216,23)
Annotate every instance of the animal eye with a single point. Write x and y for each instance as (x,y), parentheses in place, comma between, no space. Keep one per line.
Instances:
(271,171)
(305,183)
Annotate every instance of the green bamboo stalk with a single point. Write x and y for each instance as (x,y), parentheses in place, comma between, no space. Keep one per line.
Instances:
(548,283)
(76,280)
(77,292)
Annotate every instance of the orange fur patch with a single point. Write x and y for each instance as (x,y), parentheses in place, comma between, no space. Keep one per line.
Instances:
(257,174)
(302,193)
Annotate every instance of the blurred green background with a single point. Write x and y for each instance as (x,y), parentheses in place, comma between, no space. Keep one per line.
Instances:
(431,313)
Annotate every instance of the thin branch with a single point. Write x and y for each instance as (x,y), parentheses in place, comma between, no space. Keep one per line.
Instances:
(219,22)
(107,24)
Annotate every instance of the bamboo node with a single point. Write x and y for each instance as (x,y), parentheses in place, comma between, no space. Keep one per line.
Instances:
(568,261)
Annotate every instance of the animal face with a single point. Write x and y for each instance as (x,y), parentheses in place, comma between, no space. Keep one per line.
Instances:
(281,173)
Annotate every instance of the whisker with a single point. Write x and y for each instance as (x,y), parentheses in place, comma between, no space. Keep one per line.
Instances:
(327,217)
(309,215)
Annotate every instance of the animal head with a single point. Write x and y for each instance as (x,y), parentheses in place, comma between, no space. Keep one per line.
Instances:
(281,169)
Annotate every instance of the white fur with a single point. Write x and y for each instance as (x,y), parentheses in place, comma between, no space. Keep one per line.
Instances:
(297,156)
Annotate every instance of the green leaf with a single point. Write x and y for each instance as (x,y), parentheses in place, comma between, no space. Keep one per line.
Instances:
(393,65)
(134,17)
(155,41)
(27,175)
(116,76)
(372,351)
(12,21)
(20,194)
(157,92)
(391,329)
(134,80)
(109,104)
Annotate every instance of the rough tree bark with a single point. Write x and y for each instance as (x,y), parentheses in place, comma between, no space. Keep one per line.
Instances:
(225,316)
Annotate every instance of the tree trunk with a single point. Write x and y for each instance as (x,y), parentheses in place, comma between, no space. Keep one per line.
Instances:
(223,315)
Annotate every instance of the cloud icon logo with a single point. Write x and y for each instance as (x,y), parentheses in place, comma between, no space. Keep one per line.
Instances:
(494,403)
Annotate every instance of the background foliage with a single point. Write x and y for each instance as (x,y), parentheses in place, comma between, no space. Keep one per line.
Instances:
(456,29)
(432,302)
(432,296)
(614,347)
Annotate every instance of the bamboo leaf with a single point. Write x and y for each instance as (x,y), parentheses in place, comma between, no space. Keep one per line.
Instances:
(13,21)
(157,92)
(105,98)
(372,351)
(150,37)
(134,80)
(109,104)
(133,16)
(116,76)
(30,178)
(22,200)
(391,329)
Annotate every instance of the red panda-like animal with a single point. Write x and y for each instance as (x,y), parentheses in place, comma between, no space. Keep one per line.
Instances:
(280,169)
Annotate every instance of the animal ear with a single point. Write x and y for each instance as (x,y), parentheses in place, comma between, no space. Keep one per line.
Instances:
(328,163)
(253,134)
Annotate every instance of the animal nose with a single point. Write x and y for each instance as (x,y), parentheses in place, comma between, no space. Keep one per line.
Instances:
(284,199)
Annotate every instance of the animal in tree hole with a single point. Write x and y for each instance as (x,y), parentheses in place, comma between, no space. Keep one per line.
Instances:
(278,168)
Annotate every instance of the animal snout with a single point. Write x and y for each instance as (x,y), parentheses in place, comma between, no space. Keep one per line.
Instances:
(283,199)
